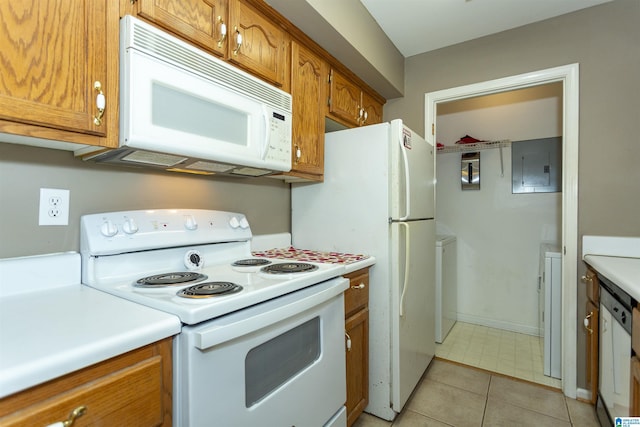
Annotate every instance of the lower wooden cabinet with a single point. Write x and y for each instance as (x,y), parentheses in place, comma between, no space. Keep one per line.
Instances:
(357,343)
(591,324)
(133,389)
(634,404)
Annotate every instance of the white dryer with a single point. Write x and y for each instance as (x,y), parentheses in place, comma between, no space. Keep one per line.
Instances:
(446,285)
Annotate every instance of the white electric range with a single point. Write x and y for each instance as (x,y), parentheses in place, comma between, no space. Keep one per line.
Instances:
(259,342)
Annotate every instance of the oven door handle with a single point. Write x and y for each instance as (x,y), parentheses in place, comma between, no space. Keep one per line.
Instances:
(264,315)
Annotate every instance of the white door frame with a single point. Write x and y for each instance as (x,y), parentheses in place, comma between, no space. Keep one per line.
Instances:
(568,75)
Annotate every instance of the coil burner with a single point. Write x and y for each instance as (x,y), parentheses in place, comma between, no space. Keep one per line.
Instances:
(251,262)
(289,267)
(209,290)
(169,279)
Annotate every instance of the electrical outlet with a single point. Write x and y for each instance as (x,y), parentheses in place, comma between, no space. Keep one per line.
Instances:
(54,207)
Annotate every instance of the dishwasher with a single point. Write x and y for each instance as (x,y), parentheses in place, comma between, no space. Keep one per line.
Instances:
(615,352)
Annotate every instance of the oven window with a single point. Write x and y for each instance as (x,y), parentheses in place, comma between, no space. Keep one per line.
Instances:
(274,362)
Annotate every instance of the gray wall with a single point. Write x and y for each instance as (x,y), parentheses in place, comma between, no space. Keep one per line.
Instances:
(604,40)
(98,188)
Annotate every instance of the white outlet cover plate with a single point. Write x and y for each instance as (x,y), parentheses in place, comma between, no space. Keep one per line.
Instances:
(53,199)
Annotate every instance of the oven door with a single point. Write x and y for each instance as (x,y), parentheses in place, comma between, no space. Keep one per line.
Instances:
(281,362)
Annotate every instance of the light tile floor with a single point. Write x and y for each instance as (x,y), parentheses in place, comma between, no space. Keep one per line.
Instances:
(450,394)
(509,353)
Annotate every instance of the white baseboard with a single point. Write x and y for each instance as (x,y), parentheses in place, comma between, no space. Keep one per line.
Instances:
(498,324)
(583,394)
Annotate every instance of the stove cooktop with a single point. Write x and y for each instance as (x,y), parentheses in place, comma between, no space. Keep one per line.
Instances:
(192,248)
(253,287)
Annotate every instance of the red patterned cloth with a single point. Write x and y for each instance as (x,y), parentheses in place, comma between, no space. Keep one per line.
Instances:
(311,256)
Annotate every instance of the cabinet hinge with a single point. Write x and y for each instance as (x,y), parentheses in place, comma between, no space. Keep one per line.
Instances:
(330,76)
(329,101)
(433,129)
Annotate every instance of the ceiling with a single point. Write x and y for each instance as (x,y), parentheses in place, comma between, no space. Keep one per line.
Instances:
(417,26)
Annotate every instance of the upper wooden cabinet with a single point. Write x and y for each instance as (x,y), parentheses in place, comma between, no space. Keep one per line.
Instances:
(257,43)
(59,66)
(236,30)
(308,91)
(203,22)
(349,104)
(372,110)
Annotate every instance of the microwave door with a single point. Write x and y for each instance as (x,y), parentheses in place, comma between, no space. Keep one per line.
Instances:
(178,112)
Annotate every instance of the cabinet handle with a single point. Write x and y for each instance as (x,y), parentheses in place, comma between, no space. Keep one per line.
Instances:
(348,341)
(587,322)
(298,154)
(360,286)
(365,115)
(359,116)
(586,279)
(100,103)
(223,31)
(76,413)
(238,41)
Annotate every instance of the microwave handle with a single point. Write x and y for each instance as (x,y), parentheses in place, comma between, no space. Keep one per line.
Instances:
(265,116)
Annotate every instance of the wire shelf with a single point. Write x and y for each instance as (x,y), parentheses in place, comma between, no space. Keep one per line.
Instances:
(484,145)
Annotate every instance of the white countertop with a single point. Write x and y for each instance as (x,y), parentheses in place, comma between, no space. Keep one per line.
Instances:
(624,272)
(51,333)
(616,258)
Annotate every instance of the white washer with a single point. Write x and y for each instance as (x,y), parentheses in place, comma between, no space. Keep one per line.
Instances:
(446,285)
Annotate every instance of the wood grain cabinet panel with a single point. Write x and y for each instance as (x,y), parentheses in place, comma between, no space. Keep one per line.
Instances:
(372,110)
(133,389)
(263,45)
(357,335)
(308,91)
(349,104)
(592,323)
(53,52)
(200,21)
(344,100)
(357,329)
(591,327)
(634,404)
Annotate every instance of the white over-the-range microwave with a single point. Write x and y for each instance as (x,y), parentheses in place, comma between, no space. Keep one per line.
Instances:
(182,109)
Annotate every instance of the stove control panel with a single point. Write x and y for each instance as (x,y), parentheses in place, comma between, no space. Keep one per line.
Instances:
(128,231)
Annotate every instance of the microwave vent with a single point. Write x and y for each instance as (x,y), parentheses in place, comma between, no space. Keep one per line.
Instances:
(184,56)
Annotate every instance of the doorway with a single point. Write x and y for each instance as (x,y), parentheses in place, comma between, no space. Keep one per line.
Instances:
(568,77)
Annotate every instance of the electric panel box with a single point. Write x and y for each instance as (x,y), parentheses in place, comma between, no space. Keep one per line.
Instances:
(536,165)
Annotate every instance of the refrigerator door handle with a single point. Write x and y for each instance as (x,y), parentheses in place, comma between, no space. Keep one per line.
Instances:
(405,285)
(407,180)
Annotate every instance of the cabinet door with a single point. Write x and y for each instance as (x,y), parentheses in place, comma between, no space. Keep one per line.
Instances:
(591,322)
(593,285)
(634,404)
(133,389)
(199,21)
(357,329)
(308,91)
(256,43)
(52,53)
(372,110)
(344,100)
(357,296)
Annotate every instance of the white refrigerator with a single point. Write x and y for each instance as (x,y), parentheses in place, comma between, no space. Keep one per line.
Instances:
(378,198)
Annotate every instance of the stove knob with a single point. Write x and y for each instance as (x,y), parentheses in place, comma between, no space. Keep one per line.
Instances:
(234,223)
(129,226)
(108,229)
(244,223)
(190,223)
(193,260)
